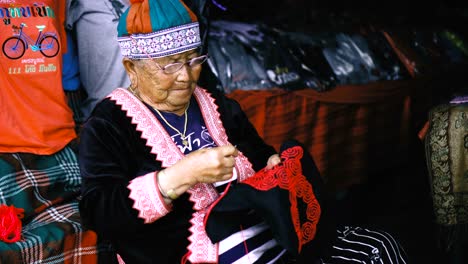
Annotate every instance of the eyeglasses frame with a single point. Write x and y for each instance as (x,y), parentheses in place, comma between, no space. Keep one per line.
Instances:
(182,64)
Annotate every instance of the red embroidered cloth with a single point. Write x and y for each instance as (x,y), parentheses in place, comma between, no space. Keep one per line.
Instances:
(289,197)
(288,176)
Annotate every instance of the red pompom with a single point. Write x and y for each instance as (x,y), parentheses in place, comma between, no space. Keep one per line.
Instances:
(136,1)
(10,223)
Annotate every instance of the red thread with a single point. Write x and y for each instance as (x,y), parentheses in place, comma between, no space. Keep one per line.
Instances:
(246,248)
(185,257)
(136,1)
(10,223)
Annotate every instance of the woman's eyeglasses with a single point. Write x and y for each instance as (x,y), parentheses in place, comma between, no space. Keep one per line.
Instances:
(176,66)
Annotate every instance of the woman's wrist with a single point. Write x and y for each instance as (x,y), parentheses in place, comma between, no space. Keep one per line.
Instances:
(171,193)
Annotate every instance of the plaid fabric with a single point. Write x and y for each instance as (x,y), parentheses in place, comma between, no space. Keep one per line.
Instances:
(46,187)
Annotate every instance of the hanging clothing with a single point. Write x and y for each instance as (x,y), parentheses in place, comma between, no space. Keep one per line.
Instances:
(447,162)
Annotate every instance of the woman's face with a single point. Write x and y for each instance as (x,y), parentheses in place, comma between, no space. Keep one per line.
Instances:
(166,92)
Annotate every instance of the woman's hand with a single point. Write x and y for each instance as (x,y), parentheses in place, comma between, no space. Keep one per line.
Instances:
(273,161)
(213,164)
(201,166)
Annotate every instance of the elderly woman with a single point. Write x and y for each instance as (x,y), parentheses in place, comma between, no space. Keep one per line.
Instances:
(156,157)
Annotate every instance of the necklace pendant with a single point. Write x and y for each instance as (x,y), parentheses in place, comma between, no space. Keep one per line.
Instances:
(185,142)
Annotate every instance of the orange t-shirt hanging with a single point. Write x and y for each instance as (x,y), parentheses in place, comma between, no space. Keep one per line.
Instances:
(34,114)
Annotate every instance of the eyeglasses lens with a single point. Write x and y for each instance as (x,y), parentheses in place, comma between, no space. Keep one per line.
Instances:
(174,67)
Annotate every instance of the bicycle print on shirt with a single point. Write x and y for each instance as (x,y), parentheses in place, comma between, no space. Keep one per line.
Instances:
(46,42)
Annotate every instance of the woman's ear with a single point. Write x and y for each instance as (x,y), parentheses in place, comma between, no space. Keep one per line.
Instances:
(130,67)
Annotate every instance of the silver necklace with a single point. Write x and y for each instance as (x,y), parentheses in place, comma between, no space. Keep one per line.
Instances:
(182,135)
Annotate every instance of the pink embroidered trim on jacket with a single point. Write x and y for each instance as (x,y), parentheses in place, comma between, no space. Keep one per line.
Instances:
(156,136)
(161,144)
(148,201)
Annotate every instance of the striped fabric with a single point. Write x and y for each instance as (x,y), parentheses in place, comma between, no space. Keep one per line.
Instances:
(361,245)
(351,131)
(46,187)
(253,244)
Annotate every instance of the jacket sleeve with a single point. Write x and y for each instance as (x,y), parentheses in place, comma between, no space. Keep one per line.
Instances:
(109,201)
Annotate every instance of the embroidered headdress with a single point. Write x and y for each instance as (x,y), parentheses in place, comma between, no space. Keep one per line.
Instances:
(157,28)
